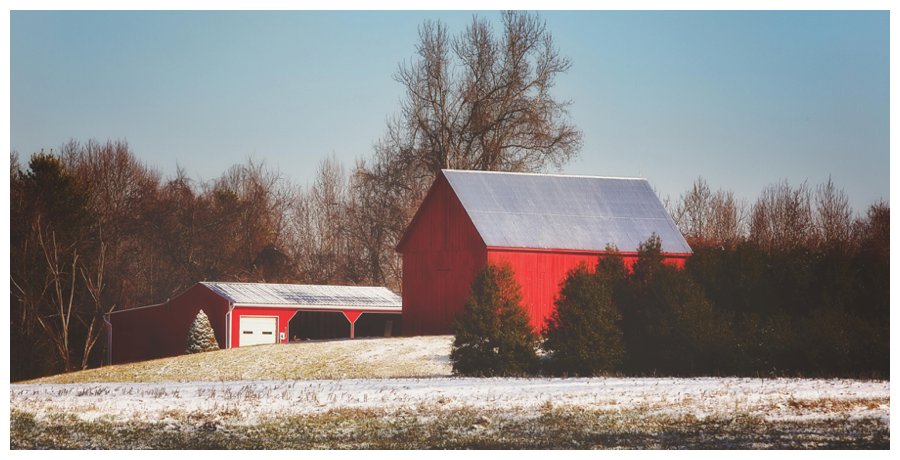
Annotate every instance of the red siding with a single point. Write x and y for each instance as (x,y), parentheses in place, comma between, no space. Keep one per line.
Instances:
(442,251)
(540,273)
(137,334)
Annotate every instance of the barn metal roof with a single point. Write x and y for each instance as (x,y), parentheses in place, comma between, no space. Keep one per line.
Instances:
(306,295)
(547,211)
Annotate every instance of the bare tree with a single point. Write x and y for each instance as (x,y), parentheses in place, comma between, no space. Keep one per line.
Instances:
(328,198)
(833,218)
(320,221)
(58,307)
(782,217)
(380,208)
(692,214)
(479,100)
(242,214)
(728,219)
(120,189)
(710,218)
(61,284)
(873,233)
(95,283)
(476,101)
(172,225)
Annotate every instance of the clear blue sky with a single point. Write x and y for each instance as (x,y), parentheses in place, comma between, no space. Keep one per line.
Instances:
(741,98)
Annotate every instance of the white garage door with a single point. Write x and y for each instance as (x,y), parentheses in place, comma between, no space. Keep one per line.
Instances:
(257,330)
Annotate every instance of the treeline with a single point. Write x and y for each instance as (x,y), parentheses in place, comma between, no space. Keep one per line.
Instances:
(766,301)
(94,230)
(797,283)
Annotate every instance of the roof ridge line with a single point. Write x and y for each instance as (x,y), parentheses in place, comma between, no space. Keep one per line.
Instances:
(567,215)
(582,176)
(290,284)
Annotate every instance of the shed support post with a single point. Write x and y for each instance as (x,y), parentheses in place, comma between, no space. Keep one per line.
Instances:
(352,316)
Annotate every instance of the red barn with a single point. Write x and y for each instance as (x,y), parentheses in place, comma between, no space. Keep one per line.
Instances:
(245,314)
(543,225)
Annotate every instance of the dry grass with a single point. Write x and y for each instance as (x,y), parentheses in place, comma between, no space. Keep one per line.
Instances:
(336,359)
(462,429)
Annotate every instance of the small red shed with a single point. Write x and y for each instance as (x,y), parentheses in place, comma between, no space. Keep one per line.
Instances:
(245,314)
(543,225)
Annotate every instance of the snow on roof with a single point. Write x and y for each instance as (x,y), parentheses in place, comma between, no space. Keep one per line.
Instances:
(306,295)
(548,211)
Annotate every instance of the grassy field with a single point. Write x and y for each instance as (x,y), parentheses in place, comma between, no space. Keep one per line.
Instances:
(336,359)
(399,394)
(551,429)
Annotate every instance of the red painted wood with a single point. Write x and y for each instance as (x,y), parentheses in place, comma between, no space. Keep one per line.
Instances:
(159,331)
(352,316)
(541,273)
(442,252)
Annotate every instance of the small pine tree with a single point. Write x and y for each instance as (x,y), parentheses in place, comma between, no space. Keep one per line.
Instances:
(201,336)
(493,335)
(583,335)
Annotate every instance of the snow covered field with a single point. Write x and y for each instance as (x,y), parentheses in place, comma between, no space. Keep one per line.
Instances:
(397,393)
(248,402)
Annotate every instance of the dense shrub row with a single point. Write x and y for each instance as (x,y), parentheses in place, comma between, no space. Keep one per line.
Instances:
(742,310)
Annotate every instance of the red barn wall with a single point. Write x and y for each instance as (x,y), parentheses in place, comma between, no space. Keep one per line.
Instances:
(162,330)
(442,252)
(540,273)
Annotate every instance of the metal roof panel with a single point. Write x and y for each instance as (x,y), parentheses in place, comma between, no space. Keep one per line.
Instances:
(307,295)
(546,211)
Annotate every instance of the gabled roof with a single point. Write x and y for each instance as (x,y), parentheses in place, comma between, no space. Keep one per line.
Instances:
(305,295)
(546,211)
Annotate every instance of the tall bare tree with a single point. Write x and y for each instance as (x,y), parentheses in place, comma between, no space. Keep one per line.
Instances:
(833,217)
(242,215)
(692,212)
(321,228)
(381,206)
(120,189)
(478,100)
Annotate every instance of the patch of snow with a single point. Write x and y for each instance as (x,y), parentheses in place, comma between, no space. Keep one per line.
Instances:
(251,401)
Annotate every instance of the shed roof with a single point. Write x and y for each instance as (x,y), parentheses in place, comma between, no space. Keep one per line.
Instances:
(547,211)
(306,295)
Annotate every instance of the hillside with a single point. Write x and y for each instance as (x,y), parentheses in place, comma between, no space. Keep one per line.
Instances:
(358,358)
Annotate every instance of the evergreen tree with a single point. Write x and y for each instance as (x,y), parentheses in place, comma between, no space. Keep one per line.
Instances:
(583,335)
(669,325)
(493,336)
(201,336)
